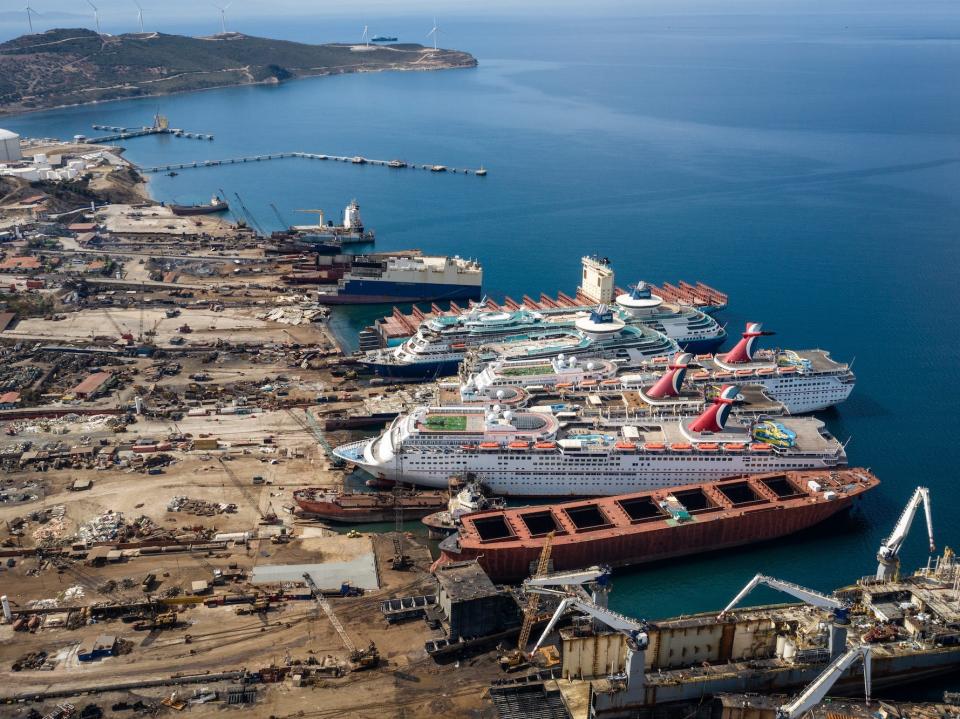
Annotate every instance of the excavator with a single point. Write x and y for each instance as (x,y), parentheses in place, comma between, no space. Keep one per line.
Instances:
(888,559)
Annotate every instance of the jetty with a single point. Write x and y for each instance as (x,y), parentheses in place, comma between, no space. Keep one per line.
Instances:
(353,160)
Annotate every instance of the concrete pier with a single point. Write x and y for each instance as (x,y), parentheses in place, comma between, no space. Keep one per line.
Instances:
(355,160)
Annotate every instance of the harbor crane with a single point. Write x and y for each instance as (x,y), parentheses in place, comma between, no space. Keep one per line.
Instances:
(818,688)
(518,657)
(888,567)
(592,583)
(808,596)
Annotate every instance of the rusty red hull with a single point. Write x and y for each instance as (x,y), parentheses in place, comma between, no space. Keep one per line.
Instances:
(622,540)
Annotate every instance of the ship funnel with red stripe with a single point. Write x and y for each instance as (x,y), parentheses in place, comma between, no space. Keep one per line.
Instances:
(715,416)
(743,351)
(669,384)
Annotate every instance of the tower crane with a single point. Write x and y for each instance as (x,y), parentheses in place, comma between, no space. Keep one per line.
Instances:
(518,657)
(808,596)
(888,558)
(818,688)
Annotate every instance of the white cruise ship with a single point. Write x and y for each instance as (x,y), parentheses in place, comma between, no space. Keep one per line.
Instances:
(536,453)
(802,380)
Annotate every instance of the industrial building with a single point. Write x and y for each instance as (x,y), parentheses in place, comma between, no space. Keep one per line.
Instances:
(91,649)
(10,146)
(471,604)
(93,385)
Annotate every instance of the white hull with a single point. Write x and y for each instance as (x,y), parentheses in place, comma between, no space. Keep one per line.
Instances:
(555,473)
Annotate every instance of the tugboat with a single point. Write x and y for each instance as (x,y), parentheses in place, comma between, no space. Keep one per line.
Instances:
(215,205)
(472,498)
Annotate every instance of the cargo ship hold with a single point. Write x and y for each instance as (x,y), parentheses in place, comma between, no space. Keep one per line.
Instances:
(404,278)
(358,507)
(630,529)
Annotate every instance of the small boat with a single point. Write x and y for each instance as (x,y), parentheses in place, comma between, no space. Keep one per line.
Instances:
(358,160)
(481,172)
(172,174)
(438,168)
(216,205)
(396,163)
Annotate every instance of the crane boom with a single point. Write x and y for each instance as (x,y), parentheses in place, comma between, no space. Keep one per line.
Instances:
(888,555)
(595,578)
(795,590)
(818,688)
(533,600)
(616,621)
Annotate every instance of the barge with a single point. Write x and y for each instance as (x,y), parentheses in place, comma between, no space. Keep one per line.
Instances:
(359,507)
(650,526)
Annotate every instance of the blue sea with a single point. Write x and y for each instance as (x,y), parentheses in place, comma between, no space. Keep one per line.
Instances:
(803,157)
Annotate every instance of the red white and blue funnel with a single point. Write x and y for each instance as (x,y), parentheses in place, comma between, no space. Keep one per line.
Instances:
(714,418)
(670,383)
(743,351)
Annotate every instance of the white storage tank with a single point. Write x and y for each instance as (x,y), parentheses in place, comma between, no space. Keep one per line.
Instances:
(9,146)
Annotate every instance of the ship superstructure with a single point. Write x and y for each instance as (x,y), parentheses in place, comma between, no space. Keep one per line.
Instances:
(539,453)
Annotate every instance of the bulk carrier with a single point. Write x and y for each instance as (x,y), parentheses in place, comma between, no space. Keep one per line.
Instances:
(642,527)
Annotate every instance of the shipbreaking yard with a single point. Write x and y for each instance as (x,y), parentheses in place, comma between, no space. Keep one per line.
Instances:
(167,383)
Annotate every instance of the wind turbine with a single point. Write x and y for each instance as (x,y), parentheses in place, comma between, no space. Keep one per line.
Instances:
(435,32)
(30,13)
(96,16)
(365,39)
(223,16)
(139,15)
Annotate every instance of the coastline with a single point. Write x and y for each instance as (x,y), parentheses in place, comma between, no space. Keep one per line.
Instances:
(324,72)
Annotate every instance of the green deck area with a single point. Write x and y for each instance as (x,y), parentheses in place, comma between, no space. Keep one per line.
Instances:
(447,422)
(526,371)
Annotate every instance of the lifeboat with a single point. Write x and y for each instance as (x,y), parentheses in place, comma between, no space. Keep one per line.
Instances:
(626,446)
(489,445)
(610,382)
(744,372)
(723,375)
(654,446)
(659,360)
(518,445)
(681,447)
(708,447)
(544,445)
(761,447)
(589,383)
(705,356)
(468,446)
(458,346)
(701,374)
(734,447)
(787,370)
(564,385)
(766,371)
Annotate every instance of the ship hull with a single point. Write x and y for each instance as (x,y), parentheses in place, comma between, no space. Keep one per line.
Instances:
(415,371)
(382,511)
(359,292)
(703,345)
(645,540)
(190,210)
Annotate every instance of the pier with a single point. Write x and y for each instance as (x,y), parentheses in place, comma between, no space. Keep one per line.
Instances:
(355,160)
(126,133)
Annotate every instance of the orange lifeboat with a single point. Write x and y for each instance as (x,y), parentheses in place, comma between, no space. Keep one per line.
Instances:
(787,370)
(705,356)
(588,383)
(766,371)
(458,346)
(744,372)
(701,374)
(760,447)
(468,446)
(708,447)
(659,360)
(518,445)
(564,385)
(489,445)
(654,446)
(723,375)
(626,446)
(610,382)
(544,445)
(681,447)
(734,447)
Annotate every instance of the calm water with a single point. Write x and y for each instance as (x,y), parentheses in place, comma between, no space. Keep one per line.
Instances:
(806,162)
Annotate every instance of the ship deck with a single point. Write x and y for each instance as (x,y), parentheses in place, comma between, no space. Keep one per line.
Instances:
(820,362)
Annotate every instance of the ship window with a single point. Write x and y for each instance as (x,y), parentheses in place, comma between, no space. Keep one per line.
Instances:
(782,486)
(740,493)
(540,522)
(639,508)
(587,517)
(490,528)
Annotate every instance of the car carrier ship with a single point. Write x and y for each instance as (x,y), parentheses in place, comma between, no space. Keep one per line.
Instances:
(539,453)
(630,529)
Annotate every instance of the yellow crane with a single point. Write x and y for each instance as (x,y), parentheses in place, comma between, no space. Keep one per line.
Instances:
(518,657)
